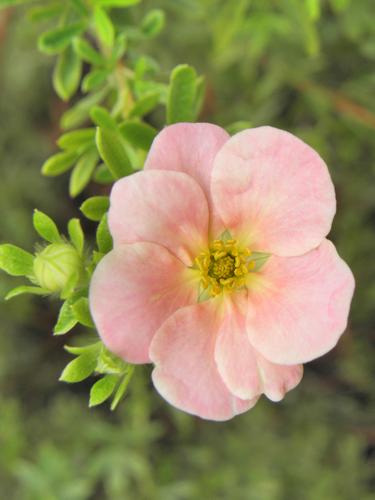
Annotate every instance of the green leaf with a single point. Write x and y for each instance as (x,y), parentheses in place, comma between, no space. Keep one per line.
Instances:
(76,235)
(59,163)
(77,139)
(182,94)
(79,369)
(10,3)
(145,105)
(57,39)
(67,74)
(45,227)
(122,387)
(103,236)
(81,312)
(138,134)
(153,22)
(15,261)
(20,290)
(313,9)
(94,208)
(102,175)
(101,117)
(45,12)
(76,115)
(94,79)
(200,93)
(82,172)
(104,26)
(103,389)
(116,3)
(113,153)
(66,320)
(92,350)
(87,52)
(119,47)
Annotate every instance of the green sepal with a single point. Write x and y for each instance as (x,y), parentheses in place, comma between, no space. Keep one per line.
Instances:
(121,390)
(76,235)
(45,227)
(113,153)
(110,363)
(20,290)
(66,319)
(15,261)
(103,389)
(95,207)
(103,236)
(79,369)
(90,349)
(260,258)
(81,312)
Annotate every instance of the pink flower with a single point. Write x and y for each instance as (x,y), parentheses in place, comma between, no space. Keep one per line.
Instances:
(188,285)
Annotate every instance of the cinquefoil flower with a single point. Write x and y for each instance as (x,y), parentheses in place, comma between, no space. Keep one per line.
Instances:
(221,273)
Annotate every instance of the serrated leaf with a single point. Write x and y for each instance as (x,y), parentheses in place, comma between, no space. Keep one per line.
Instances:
(138,134)
(76,235)
(122,387)
(95,207)
(79,369)
(182,94)
(103,236)
(153,22)
(103,389)
(67,74)
(57,39)
(66,320)
(20,290)
(104,26)
(113,153)
(15,261)
(87,52)
(81,312)
(145,105)
(102,175)
(77,139)
(82,172)
(94,79)
(45,227)
(79,113)
(59,163)
(101,117)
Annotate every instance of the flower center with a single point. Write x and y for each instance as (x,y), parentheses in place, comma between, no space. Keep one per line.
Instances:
(224,266)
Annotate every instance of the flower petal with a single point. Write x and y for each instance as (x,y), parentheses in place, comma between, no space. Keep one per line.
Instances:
(168,208)
(275,190)
(244,370)
(299,306)
(133,290)
(185,373)
(189,148)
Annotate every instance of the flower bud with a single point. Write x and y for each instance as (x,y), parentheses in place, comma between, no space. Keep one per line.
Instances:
(55,266)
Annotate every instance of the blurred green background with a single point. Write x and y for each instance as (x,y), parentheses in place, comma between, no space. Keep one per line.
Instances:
(284,63)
